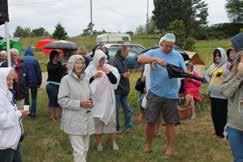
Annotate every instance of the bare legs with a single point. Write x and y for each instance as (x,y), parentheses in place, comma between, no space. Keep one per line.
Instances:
(170,134)
(99,142)
(150,127)
(54,112)
(190,103)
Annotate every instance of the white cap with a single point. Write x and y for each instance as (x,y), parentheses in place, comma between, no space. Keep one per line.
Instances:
(168,37)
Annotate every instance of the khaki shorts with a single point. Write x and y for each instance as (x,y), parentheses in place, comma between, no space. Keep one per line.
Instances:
(156,105)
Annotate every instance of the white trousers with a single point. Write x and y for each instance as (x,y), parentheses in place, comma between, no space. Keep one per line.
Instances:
(80,145)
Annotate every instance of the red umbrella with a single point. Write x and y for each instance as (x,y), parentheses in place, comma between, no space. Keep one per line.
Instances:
(43,42)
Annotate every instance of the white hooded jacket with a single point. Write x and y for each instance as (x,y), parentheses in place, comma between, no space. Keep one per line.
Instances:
(10,130)
(103,91)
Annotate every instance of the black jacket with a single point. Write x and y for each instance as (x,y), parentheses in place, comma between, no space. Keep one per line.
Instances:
(121,64)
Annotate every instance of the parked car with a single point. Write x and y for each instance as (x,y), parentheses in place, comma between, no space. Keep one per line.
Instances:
(133,51)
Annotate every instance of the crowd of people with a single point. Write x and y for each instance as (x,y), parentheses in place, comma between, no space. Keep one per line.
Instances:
(87,93)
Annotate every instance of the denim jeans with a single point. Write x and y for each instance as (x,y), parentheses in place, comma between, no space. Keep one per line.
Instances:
(33,91)
(235,138)
(124,103)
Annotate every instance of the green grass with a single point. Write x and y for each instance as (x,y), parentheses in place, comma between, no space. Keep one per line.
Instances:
(45,142)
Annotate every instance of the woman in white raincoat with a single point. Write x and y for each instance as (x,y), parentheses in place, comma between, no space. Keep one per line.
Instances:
(10,128)
(74,98)
(103,80)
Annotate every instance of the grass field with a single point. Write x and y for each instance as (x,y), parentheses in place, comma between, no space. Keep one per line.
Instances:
(45,142)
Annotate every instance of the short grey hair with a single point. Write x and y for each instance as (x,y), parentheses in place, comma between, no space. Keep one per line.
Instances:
(14,50)
(3,53)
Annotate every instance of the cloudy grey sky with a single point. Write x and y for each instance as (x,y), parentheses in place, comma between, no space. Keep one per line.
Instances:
(74,15)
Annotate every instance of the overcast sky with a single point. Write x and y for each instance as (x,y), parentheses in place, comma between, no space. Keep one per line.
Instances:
(74,15)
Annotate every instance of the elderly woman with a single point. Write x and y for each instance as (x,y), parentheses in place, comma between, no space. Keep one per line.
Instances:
(10,125)
(104,80)
(20,85)
(75,99)
(3,57)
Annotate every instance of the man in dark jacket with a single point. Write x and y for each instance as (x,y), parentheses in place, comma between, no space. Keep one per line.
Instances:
(20,86)
(34,78)
(120,62)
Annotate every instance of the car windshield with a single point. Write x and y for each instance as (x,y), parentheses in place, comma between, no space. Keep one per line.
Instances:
(133,47)
(113,51)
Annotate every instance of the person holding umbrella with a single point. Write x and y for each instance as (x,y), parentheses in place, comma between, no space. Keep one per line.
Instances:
(161,98)
(55,72)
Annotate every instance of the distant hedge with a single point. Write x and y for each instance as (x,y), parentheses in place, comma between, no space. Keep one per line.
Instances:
(219,31)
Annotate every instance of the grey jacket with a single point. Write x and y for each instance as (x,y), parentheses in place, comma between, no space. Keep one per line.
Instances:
(76,120)
(215,80)
(233,90)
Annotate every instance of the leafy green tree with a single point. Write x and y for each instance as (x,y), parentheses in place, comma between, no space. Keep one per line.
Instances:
(151,28)
(234,9)
(39,32)
(178,28)
(18,31)
(192,12)
(22,32)
(60,32)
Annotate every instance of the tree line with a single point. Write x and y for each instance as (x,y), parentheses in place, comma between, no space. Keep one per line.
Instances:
(186,18)
(59,32)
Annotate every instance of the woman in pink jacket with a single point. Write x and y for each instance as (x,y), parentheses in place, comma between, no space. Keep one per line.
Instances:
(191,90)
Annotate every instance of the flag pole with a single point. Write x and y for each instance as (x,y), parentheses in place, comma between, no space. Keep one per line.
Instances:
(7,42)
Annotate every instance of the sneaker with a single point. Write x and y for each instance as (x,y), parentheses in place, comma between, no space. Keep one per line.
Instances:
(99,147)
(115,147)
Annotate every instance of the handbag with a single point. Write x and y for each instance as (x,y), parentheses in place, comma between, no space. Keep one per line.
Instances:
(140,85)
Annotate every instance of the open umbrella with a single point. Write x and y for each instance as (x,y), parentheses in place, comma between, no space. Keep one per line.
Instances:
(13,44)
(178,72)
(42,43)
(62,44)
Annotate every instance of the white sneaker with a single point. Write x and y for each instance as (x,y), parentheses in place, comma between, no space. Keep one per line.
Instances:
(115,147)
(99,147)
